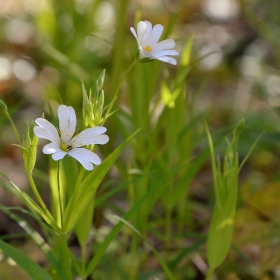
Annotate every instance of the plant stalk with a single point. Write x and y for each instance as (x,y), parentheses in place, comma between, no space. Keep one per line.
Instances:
(59,197)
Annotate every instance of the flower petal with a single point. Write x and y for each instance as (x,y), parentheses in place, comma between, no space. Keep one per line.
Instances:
(148,32)
(67,122)
(46,130)
(167,59)
(85,157)
(147,37)
(134,33)
(141,31)
(155,35)
(59,155)
(143,54)
(91,135)
(164,45)
(164,53)
(51,148)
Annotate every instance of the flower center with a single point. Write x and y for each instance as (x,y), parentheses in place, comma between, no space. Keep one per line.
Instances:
(66,147)
(147,48)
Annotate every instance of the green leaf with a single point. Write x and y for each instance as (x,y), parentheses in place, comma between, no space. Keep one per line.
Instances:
(57,270)
(159,257)
(83,195)
(187,52)
(167,97)
(84,225)
(32,154)
(99,253)
(34,206)
(225,177)
(86,104)
(30,267)
(3,105)
(221,230)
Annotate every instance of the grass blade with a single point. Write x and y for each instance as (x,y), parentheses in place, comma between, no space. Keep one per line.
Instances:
(30,267)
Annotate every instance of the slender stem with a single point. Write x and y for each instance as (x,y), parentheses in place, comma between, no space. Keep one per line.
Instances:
(59,196)
(13,126)
(83,261)
(118,89)
(31,181)
(65,255)
(168,228)
(210,273)
(29,173)
(37,195)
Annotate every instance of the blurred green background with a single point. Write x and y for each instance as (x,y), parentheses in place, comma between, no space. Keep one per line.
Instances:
(48,47)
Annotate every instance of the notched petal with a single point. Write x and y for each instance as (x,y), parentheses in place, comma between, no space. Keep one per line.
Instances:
(59,155)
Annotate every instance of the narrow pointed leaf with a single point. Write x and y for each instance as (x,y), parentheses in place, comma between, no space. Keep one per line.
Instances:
(84,194)
(30,267)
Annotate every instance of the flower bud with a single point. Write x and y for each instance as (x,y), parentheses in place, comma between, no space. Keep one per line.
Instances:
(101,79)
(30,144)
(93,103)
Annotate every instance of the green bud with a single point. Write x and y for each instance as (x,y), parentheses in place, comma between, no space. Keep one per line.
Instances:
(101,99)
(3,106)
(95,90)
(30,148)
(86,105)
(100,80)
(93,103)
(32,153)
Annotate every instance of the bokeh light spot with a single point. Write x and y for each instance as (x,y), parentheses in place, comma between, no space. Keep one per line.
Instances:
(5,68)
(24,70)
(220,9)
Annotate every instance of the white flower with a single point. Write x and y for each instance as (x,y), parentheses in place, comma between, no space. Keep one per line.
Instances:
(63,142)
(147,38)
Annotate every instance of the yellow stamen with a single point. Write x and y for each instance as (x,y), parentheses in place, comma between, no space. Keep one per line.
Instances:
(147,49)
(63,147)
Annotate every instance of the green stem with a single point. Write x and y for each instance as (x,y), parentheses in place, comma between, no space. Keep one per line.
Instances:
(59,196)
(210,273)
(37,195)
(168,228)
(28,172)
(117,90)
(83,261)
(65,255)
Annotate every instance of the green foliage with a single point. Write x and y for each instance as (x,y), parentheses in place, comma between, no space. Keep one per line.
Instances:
(146,214)
(29,266)
(30,144)
(84,193)
(93,103)
(225,177)
(3,105)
